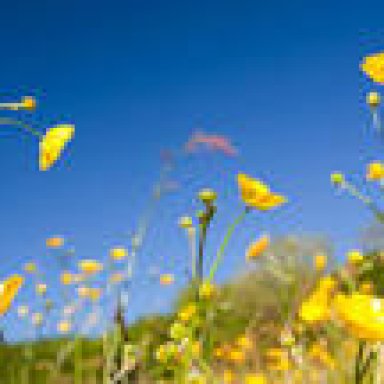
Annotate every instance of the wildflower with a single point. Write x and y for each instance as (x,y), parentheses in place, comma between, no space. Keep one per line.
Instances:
(207,290)
(28,103)
(116,278)
(167,279)
(22,310)
(337,179)
(83,291)
(257,247)
(185,222)
(118,253)
(320,261)
(94,294)
(37,319)
(375,171)
(187,312)
(355,257)
(244,342)
(8,291)
(228,377)
(66,278)
(207,196)
(361,314)
(255,378)
(54,242)
(256,194)
(366,287)
(373,67)
(53,143)
(41,289)
(90,267)
(30,267)
(373,99)
(64,326)
(236,355)
(320,354)
(178,331)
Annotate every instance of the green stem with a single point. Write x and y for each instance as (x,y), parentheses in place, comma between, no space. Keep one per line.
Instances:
(24,126)
(224,244)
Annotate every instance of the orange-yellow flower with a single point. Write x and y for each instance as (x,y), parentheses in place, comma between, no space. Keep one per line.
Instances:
(320,261)
(375,171)
(373,67)
(67,278)
(256,194)
(167,279)
(255,378)
(28,103)
(64,326)
(8,291)
(54,242)
(90,267)
(118,253)
(53,144)
(257,247)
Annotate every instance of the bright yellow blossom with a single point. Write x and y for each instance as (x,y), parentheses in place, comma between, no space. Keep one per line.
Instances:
(8,291)
(373,99)
(90,267)
(255,378)
(355,257)
(375,171)
(256,194)
(53,144)
(320,261)
(373,67)
(257,247)
(118,253)
(64,326)
(54,242)
(167,279)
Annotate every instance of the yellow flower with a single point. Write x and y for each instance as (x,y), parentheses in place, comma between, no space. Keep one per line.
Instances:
(37,319)
(90,267)
(41,288)
(207,196)
(67,278)
(337,178)
(64,326)
(118,253)
(228,377)
(256,194)
(373,67)
(366,288)
(116,278)
(167,279)
(257,247)
(256,378)
(53,143)
(54,242)
(28,103)
(83,291)
(187,312)
(207,290)
(361,314)
(30,267)
(375,171)
(355,257)
(244,342)
(94,294)
(185,222)
(320,261)
(320,355)
(236,355)
(22,310)
(8,291)
(373,99)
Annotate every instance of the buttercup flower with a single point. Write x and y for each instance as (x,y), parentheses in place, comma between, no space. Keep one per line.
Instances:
(118,253)
(90,267)
(185,222)
(8,291)
(64,326)
(53,143)
(320,261)
(257,247)
(337,178)
(375,171)
(373,67)
(207,196)
(373,99)
(22,311)
(30,267)
(41,288)
(28,103)
(354,257)
(54,242)
(37,319)
(256,194)
(67,278)
(167,279)
(257,378)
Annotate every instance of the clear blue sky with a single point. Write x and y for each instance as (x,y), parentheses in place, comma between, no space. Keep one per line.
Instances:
(280,78)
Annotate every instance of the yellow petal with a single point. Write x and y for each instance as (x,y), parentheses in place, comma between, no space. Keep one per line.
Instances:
(8,291)
(53,144)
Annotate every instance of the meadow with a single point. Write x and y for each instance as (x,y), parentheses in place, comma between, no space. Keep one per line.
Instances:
(296,315)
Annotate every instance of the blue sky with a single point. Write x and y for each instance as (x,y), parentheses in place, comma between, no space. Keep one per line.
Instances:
(279,78)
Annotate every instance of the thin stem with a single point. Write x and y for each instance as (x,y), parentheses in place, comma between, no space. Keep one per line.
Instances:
(26,127)
(224,244)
